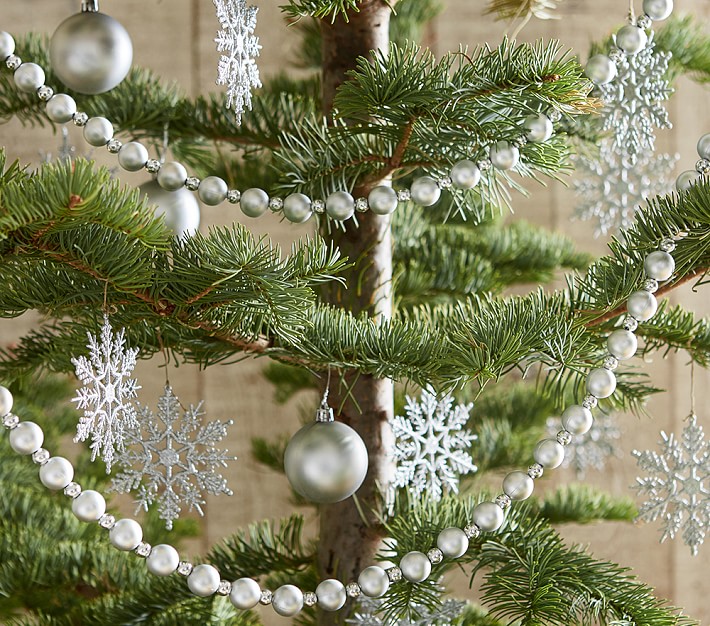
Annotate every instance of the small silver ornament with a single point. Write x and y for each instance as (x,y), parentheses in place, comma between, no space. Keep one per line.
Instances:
(631,39)
(415,566)
(549,453)
(601,382)
(204,580)
(245,593)
(98,131)
(425,191)
(26,438)
(488,516)
(642,305)
(504,155)
(538,127)
(704,146)
(29,77)
(172,176)
(331,594)
(212,190)
(126,534)
(658,9)
(254,202)
(600,69)
(297,208)
(180,209)
(89,506)
(340,206)
(7,45)
(382,200)
(56,473)
(287,600)
(518,485)
(686,180)
(6,401)
(61,108)
(163,560)
(465,174)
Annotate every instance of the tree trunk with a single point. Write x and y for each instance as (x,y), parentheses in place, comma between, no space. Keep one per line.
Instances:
(348,542)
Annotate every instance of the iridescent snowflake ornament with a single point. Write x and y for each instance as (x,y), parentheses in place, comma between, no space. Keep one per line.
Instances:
(432,445)
(678,485)
(237,67)
(368,613)
(172,459)
(107,393)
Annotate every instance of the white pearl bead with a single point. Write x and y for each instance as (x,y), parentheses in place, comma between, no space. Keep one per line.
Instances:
(56,473)
(254,202)
(642,305)
(504,155)
(577,419)
(340,206)
(6,401)
(415,566)
(425,191)
(374,581)
(658,9)
(539,128)
(7,45)
(26,438)
(287,600)
(704,146)
(452,542)
(98,131)
(245,593)
(549,453)
(204,580)
(126,534)
(331,594)
(465,174)
(382,200)
(61,108)
(29,77)
(488,516)
(297,208)
(172,176)
(162,560)
(600,69)
(601,382)
(132,156)
(622,344)
(89,506)
(518,485)
(659,265)
(212,190)
(686,180)
(631,39)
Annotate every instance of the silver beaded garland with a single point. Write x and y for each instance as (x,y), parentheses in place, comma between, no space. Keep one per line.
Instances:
(686,180)
(89,506)
(254,202)
(658,9)
(297,208)
(287,600)
(538,127)
(132,156)
(622,344)
(424,191)
(601,382)
(600,69)
(577,419)
(56,473)
(245,593)
(373,581)
(382,200)
(6,401)
(126,534)
(7,45)
(204,580)
(98,131)
(704,146)
(518,485)
(61,108)
(465,174)
(415,566)
(340,206)
(549,453)
(452,542)
(659,265)
(631,39)
(488,516)
(163,560)
(172,176)
(331,594)
(29,77)
(504,155)
(26,438)
(642,305)
(212,190)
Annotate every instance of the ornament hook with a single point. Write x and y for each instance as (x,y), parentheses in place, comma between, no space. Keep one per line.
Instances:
(324,413)
(90,6)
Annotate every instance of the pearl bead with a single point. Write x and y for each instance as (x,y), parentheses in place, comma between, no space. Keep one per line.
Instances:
(340,206)
(126,534)
(331,594)
(686,180)
(659,265)
(162,560)
(61,108)
(212,190)
(56,473)
(452,542)
(6,401)
(425,191)
(601,382)
(658,9)
(577,419)
(297,208)
(89,506)
(600,69)
(382,200)
(518,485)
(488,516)
(287,600)
(29,77)
(7,45)
(204,580)
(26,438)
(504,155)
(254,202)
(98,131)
(172,176)
(622,344)
(642,305)
(538,127)
(631,39)
(465,174)
(415,566)
(132,156)
(704,146)
(549,453)
(245,593)
(374,581)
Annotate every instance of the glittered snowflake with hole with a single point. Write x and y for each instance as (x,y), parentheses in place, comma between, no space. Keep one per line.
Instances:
(172,459)
(611,191)
(432,445)
(634,101)
(237,67)
(678,486)
(368,612)
(107,394)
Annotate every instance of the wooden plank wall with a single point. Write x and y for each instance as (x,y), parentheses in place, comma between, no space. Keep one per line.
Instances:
(176,40)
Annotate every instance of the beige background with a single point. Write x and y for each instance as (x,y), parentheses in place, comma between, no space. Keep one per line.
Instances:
(175,38)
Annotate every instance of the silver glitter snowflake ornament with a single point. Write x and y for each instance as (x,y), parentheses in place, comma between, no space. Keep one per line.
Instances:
(172,459)
(107,393)
(432,446)
(678,486)
(367,613)
(237,66)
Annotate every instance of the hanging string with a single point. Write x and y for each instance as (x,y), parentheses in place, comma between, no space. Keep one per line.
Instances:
(692,389)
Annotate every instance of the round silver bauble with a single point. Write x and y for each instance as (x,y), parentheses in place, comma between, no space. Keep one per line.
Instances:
(549,453)
(374,581)
(577,419)
(180,209)
(704,146)
(6,401)
(631,39)
(203,580)
(382,200)
(56,473)
(424,191)
(254,202)
(601,382)
(26,438)
(331,594)
(91,52)
(126,534)
(340,206)
(415,566)
(488,516)
(686,180)
(518,485)
(642,305)
(658,9)
(600,69)
(163,560)
(538,127)
(7,45)
(622,344)
(287,600)
(98,131)
(212,190)
(297,208)
(61,108)
(132,156)
(29,77)
(504,155)
(245,593)
(659,265)
(89,506)
(326,462)
(465,174)
(172,176)
(452,542)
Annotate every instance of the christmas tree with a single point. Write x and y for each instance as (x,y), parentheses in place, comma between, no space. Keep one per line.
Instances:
(394,309)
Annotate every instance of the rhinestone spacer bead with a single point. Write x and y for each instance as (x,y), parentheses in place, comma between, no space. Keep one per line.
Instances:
(184,568)
(519,142)
(318,206)
(113,146)
(13,62)
(265,598)
(644,22)
(667,245)
(225,588)
(72,490)
(404,195)
(535,470)
(444,182)
(310,598)
(472,531)
(703,167)
(630,323)
(615,54)
(435,556)
(564,437)
(361,205)
(484,165)
(80,118)
(41,456)
(394,574)
(45,92)
(10,421)
(192,183)
(233,196)
(152,166)
(503,501)
(107,521)
(589,402)
(650,285)
(143,549)
(276,204)
(610,363)
(353,590)
(554,115)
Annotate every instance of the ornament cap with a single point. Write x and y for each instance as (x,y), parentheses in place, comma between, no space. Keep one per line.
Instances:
(324,414)
(90,6)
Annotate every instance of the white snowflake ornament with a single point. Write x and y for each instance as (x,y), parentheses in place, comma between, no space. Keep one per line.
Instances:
(107,393)
(678,485)
(237,67)
(432,445)
(172,459)
(368,613)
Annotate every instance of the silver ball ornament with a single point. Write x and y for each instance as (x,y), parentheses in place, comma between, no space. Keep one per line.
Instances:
(658,9)
(452,542)
(204,580)
(642,305)
(287,600)
(331,594)
(340,206)
(163,560)
(659,265)
(504,155)
(577,419)
(622,344)
(56,473)
(132,156)
(415,566)
(518,485)
(126,534)
(7,45)
(6,401)
(26,438)
(600,69)
(254,202)
(549,453)
(488,516)
(61,108)
(89,506)
(538,127)
(29,77)
(172,176)
(212,190)
(245,593)
(465,174)
(686,180)
(91,52)
(180,209)
(98,131)
(382,200)
(326,461)
(601,382)
(297,208)
(374,581)
(425,191)
(631,39)
(704,146)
